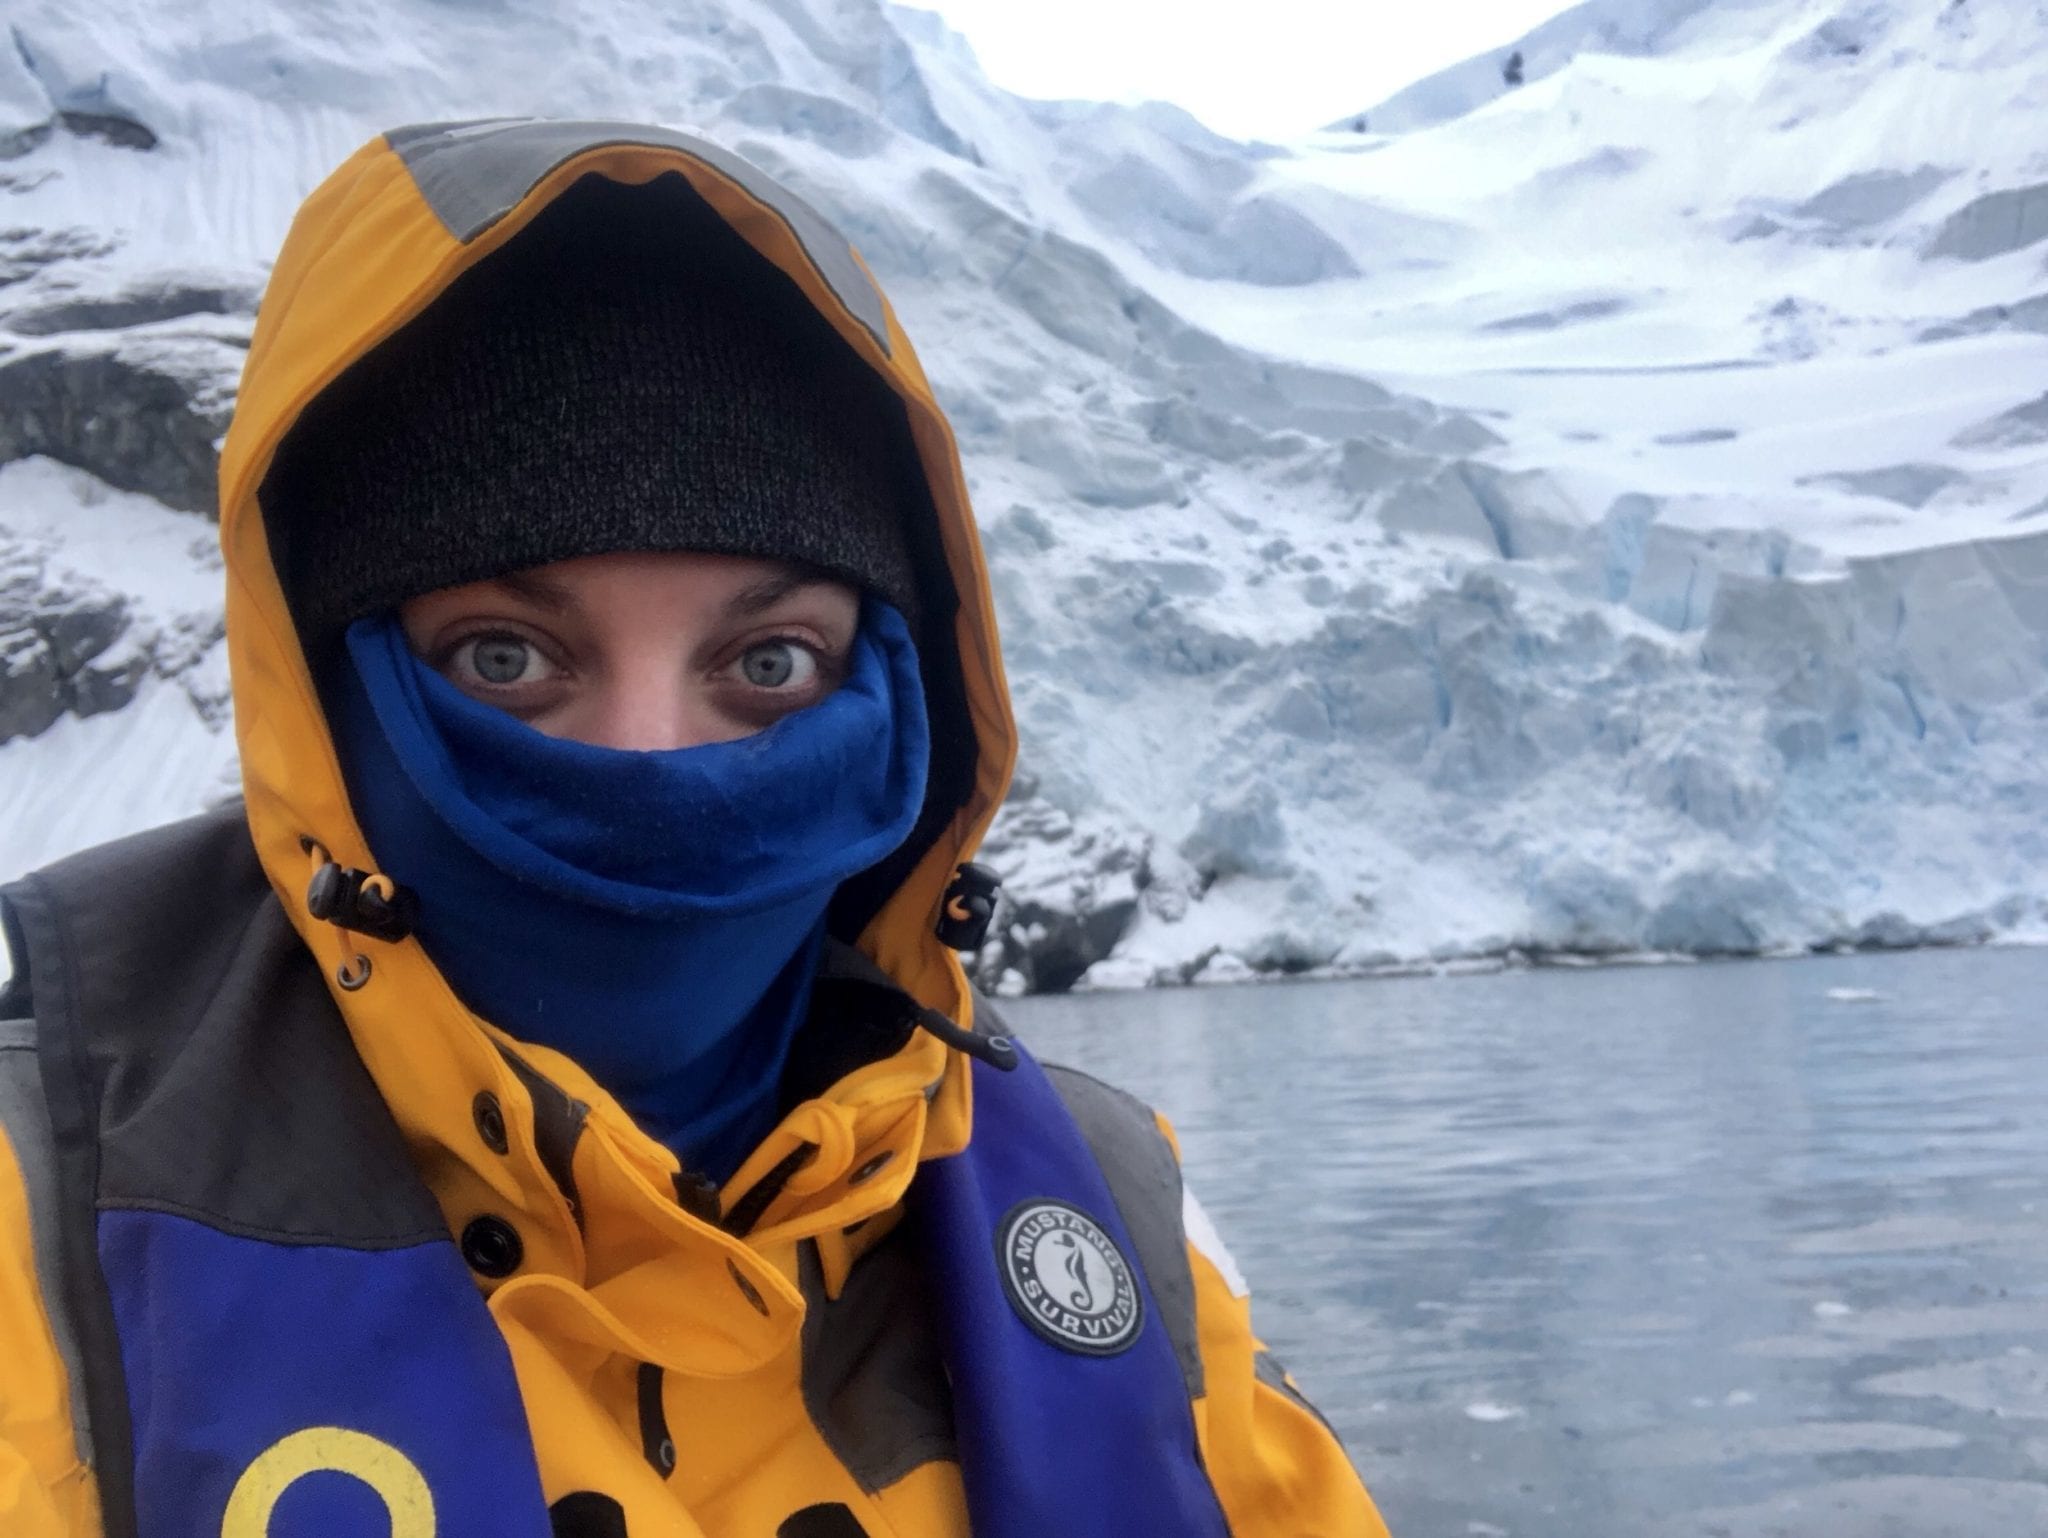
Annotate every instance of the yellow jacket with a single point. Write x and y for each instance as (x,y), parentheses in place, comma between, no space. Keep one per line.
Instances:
(630,1280)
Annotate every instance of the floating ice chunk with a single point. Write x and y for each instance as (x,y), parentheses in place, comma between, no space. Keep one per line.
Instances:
(1853,996)
(1489,1413)
(1831,1309)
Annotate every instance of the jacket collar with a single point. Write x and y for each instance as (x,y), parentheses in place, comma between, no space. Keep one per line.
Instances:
(602,1210)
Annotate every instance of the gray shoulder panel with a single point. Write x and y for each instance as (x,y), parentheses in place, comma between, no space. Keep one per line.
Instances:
(873,1379)
(25,1123)
(472,174)
(1267,1369)
(191,1038)
(1144,1177)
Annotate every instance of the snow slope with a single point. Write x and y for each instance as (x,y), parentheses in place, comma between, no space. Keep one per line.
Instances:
(1609,515)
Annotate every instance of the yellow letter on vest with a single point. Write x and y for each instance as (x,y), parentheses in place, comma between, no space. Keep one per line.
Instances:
(330,1449)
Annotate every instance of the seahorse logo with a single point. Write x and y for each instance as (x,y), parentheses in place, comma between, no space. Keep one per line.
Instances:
(1083,1296)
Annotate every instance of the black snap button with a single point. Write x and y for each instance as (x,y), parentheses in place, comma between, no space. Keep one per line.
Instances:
(490,1121)
(748,1290)
(873,1167)
(665,1456)
(492,1246)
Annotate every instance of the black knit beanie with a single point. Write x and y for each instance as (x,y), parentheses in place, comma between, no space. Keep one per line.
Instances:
(624,374)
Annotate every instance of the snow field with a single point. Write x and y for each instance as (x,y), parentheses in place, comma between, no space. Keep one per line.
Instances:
(1608,517)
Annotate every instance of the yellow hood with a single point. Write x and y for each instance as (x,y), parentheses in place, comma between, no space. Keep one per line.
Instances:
(372,247)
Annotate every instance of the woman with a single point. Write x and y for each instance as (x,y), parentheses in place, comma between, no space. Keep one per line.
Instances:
(552,1103)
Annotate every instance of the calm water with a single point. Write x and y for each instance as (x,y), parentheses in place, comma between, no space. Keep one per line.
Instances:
(1686,1252)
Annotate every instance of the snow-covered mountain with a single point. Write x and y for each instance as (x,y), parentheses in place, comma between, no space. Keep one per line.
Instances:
(1608,514)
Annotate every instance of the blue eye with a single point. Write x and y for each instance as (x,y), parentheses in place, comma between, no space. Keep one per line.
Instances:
(500,660)
(778,665)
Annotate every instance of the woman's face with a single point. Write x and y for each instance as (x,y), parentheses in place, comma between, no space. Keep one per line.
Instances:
(642,650)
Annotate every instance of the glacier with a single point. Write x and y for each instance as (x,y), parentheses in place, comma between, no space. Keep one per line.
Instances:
(1599,517)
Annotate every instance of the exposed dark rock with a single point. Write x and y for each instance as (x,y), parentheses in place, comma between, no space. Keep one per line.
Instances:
(110,126)
(1070,894)
(77,625)
(1887,931)
(58,648)
(1054,947)
(92,690)
(29,697)
(24,252)
(141,305)
(143,413)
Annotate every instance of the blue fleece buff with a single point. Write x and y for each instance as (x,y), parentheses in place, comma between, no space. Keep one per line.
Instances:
(656,916)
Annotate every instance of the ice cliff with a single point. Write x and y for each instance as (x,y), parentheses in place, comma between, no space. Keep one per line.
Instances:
(1597,515)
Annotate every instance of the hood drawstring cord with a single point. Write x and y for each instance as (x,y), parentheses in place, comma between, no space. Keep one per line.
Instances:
(964,918)
(364,902)
(996,1051)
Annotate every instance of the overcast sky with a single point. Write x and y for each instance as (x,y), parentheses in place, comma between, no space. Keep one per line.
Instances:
(1250,68)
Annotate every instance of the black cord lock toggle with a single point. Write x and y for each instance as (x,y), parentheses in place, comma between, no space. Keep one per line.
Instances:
(969,907)
(344,898)
(996,1051)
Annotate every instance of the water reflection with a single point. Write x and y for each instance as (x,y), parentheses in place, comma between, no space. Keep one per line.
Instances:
(1689,1252)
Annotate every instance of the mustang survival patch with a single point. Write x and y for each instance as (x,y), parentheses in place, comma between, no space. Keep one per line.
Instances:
(1067,1279)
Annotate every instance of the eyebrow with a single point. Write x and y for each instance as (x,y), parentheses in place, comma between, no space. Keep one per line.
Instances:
(558,598)
(536,589)
(770,591)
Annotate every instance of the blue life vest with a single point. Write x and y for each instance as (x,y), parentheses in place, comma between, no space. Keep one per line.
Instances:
(1070,1407)
(397,1347)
